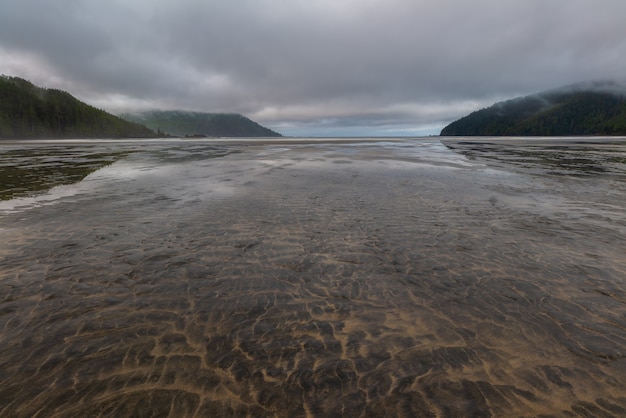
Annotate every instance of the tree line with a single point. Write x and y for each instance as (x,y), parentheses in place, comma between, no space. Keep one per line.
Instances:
(556,114)
(28,111)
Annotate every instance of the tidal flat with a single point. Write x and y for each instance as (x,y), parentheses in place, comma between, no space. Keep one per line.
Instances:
(313,278)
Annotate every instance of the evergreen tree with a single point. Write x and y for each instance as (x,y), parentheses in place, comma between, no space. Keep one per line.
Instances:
(28,111)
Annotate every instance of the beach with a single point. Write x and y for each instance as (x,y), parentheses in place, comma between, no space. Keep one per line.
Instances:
(316,277)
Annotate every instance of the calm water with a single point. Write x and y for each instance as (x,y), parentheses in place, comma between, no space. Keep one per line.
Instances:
(318,278)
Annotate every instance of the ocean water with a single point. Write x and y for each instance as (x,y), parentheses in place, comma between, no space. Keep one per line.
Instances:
(313,277)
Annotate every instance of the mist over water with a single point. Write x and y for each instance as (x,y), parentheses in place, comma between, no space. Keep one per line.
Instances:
(313,278)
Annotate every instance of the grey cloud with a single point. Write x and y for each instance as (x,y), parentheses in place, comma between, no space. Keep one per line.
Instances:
(296,63)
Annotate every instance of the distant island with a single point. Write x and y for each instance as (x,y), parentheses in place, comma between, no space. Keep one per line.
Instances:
(195,124)
(28,111)
(582,109)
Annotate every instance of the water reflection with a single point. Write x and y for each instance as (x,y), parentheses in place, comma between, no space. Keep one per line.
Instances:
(27,171)
(577,157)
(322,279)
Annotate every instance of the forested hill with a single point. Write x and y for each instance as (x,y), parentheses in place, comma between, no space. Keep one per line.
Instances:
(554,113)
(180,123)
(28,111)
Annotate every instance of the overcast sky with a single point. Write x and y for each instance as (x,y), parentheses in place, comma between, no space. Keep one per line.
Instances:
(313,67)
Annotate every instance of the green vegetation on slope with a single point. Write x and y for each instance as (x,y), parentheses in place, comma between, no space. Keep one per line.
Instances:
(179,123)
(549,114)
(28,111)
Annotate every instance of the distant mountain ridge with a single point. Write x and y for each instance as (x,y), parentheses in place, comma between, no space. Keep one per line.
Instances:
(28,111)
(596,108)
(181,123)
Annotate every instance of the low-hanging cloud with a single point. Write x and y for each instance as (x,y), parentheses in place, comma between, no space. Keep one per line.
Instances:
(384,65)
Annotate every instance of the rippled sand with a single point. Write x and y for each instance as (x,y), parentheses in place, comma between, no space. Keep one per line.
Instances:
(356,279)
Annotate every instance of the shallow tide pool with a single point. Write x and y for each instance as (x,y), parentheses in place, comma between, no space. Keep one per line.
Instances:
(387,277)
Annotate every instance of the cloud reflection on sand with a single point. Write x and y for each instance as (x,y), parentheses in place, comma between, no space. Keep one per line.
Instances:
(317,279)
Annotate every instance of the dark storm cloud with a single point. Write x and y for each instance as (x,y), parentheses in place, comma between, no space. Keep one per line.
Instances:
(388,65)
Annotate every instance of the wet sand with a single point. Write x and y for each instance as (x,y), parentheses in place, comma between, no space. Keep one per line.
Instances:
(356,279)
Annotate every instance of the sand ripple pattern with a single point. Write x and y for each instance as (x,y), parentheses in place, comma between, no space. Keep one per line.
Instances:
(315,281)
